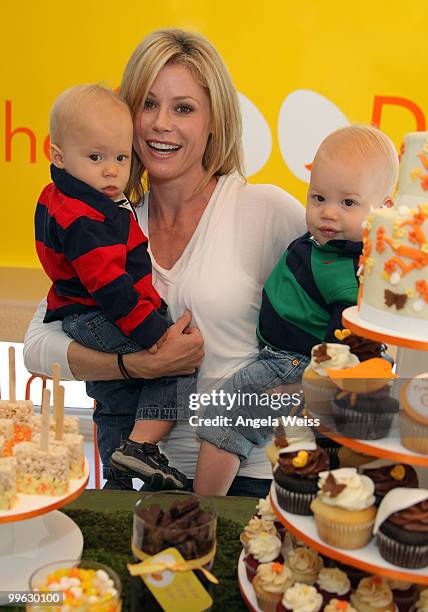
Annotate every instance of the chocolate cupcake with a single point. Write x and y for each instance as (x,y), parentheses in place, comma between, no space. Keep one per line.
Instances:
(388,475)
(296,476)
(401,527)
(264,548)
(332,448)
(364,416)
(405,594)
(363,348)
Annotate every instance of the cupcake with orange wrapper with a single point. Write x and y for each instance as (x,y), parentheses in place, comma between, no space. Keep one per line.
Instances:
(269,583)
(332,583)
(414,414)
(305,564)
(87,586)
(300,598)
(264,548)
(344,508)
(339,605)
(363,407)
(388,475)
(296,475)
(373,595)
(255,527)
(401,527)
(318,389)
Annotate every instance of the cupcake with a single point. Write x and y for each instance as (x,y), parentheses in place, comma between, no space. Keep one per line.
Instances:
(422,603)
(363,348)
(332,449)
(405,594)
(344,508)
(388,475)
(339,605)
(414,416)
(270,582)
(305,564)
(286,435)
(350,458)
(296,475)
(266,512)
(318,389)
(255,527)
(332,583)
(401,527)
(300,598)
(354,573)
(373,595)
(363,407)
(264,548)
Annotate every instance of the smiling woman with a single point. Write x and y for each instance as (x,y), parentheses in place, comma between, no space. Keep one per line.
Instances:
(213,240)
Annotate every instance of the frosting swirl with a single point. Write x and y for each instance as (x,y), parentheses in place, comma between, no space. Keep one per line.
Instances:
(374,591)
(413,519)
(265,547)
(264,509)
(338,356)
(388,477)
(339,605)
(274,577)
(304,560)
(258,525)
(317,460)
(352,492)
(302,598)
(333,580)
(363,348)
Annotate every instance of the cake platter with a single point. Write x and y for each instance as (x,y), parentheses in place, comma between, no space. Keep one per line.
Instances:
(384,448)
(367,558)
(34,533)
(245,586)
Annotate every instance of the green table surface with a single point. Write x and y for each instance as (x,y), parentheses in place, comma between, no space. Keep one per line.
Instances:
(105,519)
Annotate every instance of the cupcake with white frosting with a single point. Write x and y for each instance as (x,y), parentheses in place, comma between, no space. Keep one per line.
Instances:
(319,390)
(332,583)
(300,598)
(373,595)
(339,605)
(422,603)
(264,548)
(269,583)
(256,525)
(344,508)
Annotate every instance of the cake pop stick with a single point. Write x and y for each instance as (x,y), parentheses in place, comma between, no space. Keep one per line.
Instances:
(46,406)
(56,376)
(59,419)
(12,375)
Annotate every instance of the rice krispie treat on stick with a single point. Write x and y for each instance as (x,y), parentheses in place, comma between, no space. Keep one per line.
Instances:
(8,497)
(42,469)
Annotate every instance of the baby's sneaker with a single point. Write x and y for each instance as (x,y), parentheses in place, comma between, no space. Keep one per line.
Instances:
(145,461)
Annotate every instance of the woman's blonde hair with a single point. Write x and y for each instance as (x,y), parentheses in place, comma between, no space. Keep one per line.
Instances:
(223,153)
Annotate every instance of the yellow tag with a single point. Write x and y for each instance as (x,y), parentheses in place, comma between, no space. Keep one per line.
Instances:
(176,591)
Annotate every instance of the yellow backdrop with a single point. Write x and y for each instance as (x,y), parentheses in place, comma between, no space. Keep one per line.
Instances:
(302,69)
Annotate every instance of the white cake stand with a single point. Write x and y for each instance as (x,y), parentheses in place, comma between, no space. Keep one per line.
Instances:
(34,533)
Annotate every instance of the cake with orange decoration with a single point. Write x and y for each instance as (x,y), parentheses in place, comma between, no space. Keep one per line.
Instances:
(393,265)
(269,583)
(373,595)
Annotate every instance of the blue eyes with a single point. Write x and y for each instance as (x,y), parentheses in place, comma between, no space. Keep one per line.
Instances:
(182,109)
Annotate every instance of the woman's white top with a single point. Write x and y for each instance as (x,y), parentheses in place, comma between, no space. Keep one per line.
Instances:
(219,277)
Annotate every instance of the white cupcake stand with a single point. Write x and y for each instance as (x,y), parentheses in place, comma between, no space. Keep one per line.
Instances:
(412,360)
(34,533)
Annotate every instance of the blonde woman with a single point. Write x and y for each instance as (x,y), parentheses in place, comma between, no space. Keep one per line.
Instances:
(213,240)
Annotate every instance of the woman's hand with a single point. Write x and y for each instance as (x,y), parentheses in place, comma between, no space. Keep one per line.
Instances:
(181,353)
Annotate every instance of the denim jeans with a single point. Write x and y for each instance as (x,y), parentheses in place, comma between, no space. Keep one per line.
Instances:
(260,381)
(121,402)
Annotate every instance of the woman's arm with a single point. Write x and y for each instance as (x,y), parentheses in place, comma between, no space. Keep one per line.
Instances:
(46,343)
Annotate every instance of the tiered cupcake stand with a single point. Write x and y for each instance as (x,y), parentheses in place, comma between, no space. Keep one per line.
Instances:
(35,533)
(412,359)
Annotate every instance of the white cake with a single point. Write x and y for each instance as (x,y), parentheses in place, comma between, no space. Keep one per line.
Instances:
(394,263)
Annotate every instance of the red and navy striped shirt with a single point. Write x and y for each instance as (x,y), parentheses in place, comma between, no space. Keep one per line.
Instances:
(96,255)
